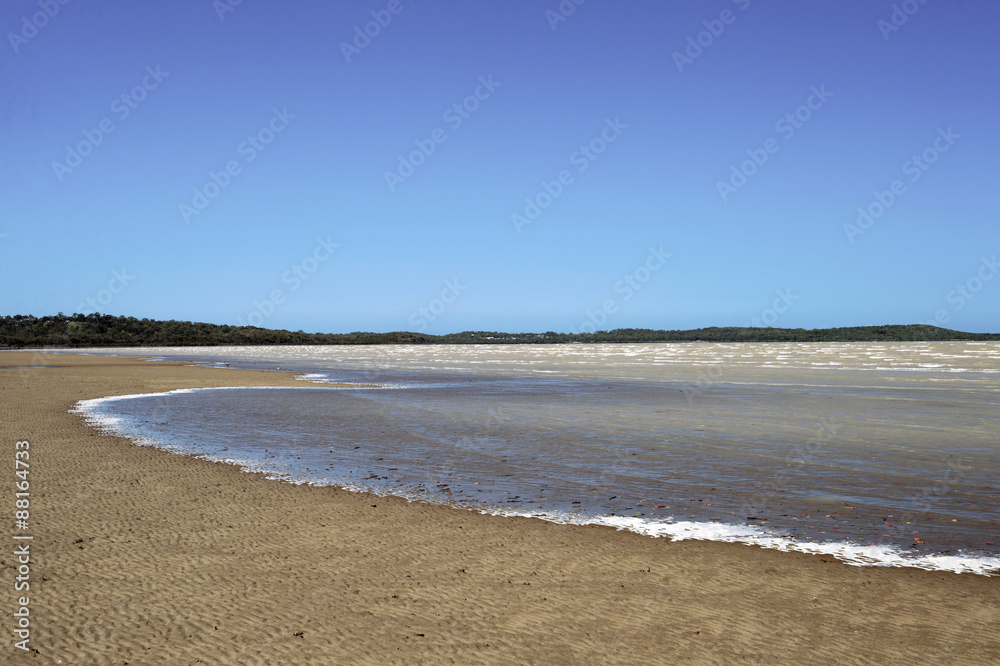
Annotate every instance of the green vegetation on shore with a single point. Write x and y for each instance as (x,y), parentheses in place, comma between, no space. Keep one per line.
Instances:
(96,330)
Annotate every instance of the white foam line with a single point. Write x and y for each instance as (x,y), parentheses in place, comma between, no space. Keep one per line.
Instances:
(852,554)
(89,408)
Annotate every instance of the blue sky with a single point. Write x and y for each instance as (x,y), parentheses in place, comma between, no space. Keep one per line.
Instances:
(502,165)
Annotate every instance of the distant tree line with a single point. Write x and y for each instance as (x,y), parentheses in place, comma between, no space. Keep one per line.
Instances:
(97,330)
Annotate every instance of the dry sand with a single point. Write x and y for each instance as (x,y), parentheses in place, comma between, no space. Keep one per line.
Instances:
(145,557)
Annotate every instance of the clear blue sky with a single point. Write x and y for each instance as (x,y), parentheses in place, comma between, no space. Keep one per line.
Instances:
(630,137)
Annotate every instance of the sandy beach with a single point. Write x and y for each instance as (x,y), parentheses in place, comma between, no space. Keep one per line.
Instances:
(141,556)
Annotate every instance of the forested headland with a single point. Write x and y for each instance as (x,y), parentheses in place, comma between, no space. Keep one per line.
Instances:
(97,330)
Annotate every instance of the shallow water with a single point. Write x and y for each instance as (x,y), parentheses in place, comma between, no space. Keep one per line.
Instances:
(885,453)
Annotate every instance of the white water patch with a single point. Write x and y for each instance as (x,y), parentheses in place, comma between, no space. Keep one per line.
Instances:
(317,377)
(897,368)
(634,358)
(325,380)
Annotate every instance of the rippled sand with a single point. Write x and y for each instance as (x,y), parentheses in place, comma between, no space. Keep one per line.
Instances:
(148,557)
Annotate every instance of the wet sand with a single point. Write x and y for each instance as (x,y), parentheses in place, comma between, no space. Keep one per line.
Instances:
(142,556)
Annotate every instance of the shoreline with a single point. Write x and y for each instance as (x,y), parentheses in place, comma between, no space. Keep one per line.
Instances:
(139,552)
(844,550)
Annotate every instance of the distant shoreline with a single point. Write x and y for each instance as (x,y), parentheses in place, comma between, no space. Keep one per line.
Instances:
(20,332)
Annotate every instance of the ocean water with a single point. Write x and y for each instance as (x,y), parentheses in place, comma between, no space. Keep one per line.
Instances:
(877,453)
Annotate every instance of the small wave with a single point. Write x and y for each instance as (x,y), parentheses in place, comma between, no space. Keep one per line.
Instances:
(849,553)
(314,377)
(971,371)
